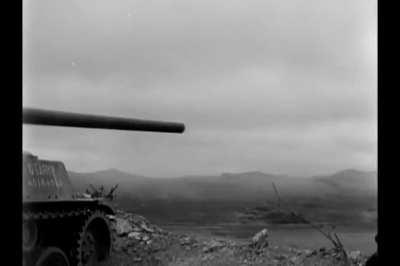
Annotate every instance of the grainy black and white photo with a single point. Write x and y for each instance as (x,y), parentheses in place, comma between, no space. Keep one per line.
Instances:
(184,132)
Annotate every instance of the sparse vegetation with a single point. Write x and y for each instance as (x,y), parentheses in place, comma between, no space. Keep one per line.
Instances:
(100,192)
(327,230)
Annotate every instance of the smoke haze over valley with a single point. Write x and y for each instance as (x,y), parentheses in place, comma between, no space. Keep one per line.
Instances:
(229,185)
(347,197)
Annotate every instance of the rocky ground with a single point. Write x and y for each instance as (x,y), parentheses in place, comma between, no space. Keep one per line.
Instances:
(138,242)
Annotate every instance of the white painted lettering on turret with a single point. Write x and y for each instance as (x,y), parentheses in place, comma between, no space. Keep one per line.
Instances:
(30,169)
(42,174)
(53,171)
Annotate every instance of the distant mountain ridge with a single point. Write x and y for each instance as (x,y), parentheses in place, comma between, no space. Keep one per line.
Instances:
(228,186)
(351,179)
(347,196)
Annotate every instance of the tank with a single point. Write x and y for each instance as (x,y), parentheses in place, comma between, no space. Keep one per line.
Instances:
(60,227)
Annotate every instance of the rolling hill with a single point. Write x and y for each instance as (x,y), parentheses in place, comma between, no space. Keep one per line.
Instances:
(346,197)
(230,186)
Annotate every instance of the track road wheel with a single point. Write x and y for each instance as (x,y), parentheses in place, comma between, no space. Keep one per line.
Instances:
(29,235)
(52,256)
(94,240)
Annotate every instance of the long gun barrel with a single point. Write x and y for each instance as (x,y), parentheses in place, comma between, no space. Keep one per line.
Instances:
(66,119)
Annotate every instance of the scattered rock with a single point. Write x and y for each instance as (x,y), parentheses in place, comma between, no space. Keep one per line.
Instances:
(122,227)
(293,260)
(213,245)
(281,257)
(111,217)
(135,235)
(143,242)
(207,257)
(307,252)
(260,240)
(144,227)
(188,242)
(354,255)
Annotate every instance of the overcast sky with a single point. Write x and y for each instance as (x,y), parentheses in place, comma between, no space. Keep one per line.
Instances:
(275,86)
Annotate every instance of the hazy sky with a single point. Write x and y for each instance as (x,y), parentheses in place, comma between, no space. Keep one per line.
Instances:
(276,86)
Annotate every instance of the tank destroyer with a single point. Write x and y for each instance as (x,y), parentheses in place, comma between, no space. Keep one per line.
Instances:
(60,227)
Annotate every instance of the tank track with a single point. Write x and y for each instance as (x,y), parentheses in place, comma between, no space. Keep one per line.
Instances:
(76,219)
(27,215)
(84,228)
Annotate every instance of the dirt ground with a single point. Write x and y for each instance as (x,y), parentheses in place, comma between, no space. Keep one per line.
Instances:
(138,242)
(179,255)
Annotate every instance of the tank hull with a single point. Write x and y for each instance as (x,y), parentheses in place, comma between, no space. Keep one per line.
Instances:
(63,224)
(55,217)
